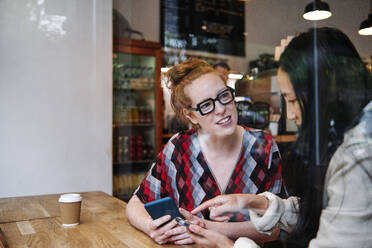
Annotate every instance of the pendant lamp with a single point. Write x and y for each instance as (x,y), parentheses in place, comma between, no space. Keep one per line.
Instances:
(317,10)
(366,26)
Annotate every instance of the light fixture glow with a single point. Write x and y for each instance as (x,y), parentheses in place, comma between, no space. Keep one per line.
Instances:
(317,15)
(365,31)
(235,76)
(164,69)
(316,11)
(366,26)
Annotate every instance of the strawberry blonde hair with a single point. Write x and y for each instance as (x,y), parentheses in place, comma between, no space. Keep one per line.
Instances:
(181,75)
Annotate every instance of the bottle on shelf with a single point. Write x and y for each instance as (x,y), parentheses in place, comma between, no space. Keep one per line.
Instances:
(135,114)
(119,147)
(126,155)
(141,115)
(148,114)
(132,148)
(139,145)
(125,84)
(129,115)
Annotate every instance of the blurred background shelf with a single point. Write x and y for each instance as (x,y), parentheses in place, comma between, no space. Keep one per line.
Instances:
(137,112)
(283,138)
(134,125)
(133,162)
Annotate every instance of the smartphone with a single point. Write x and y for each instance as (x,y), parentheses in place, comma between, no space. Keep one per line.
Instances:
(161,207)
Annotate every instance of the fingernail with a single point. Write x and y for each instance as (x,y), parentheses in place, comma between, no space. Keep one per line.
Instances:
(192,228)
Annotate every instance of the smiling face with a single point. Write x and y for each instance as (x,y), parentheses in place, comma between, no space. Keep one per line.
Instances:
(292,103)
(223,120)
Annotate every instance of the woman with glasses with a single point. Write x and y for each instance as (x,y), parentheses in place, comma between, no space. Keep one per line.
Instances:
(331,202)
(215,157)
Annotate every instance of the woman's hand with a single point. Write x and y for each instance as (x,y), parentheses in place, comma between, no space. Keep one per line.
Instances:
(170,232)
(161,230)
(178,234)
(223,207)
(208,238)
(192,218)
(157,230)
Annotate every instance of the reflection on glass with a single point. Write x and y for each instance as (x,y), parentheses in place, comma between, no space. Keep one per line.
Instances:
(52,25)
(133,120)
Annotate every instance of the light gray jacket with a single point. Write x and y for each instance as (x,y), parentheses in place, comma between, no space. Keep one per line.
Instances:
(346,218)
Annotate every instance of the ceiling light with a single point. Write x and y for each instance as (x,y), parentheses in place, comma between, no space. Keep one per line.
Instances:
(317,10)
(366,26)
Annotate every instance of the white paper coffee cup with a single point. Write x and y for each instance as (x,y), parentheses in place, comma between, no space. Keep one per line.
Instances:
(70,206)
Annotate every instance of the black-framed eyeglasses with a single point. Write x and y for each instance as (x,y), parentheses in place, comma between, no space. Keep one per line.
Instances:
(208,105)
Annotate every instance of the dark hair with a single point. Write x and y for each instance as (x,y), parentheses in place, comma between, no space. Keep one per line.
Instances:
(344,88)
(222,64)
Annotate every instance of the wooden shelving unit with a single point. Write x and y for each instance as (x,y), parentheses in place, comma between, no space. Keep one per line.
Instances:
(285,138)
(137,112)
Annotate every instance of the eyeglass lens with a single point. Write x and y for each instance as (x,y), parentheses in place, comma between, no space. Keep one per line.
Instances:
(207,106)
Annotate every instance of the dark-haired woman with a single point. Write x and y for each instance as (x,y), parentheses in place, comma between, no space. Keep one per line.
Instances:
(329,169)
(215,157)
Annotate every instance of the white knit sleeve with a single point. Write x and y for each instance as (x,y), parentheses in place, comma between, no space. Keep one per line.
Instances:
(281,212)
(245,243)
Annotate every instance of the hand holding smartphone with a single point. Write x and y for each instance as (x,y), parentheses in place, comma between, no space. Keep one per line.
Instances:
(161,207)
(165,206)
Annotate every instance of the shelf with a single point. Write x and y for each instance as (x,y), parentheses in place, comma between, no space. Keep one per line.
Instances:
(168,135)
(285,138)
(134,162)
(134,125)
(126,169)
(135,89)
(137,112)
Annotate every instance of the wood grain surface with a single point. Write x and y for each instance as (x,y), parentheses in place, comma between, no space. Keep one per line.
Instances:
(34,221)
(29,207)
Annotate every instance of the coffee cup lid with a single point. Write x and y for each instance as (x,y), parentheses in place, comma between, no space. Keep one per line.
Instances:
(70,198)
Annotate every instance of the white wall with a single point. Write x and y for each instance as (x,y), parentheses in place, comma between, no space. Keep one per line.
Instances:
(55,96)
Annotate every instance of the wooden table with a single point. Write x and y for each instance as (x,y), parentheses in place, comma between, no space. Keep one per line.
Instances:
(34,221)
